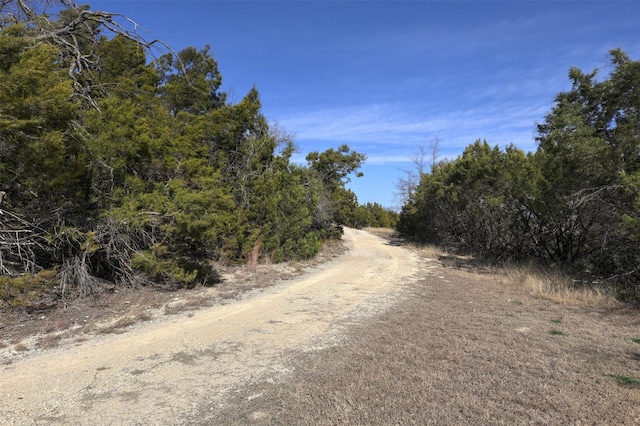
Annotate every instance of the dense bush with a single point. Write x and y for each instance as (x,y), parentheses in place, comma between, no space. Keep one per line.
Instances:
(130,170)
(573,203)
(374,215)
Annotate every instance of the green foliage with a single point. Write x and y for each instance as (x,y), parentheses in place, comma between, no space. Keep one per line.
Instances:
(284,206)
(588,160)
(190,81)
(626,381)
(24,290)
(122,68)
(40,156)
(332,168)
(478,202)
(133,171)
(573,203)
(160,266)
(375,216)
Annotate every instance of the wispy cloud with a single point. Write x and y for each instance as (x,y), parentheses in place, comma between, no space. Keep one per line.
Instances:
(377,160)
(375,124)
(394,130)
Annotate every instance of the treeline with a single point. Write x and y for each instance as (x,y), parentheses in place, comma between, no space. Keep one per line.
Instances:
(373,215)
(118,168)
(573,204)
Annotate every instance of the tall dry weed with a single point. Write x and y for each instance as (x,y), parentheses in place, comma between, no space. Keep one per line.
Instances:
(252,263)
(431,251)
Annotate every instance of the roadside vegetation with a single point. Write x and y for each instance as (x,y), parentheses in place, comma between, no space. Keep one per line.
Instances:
(557,286)
(571,206)
(121,168)
(534,279)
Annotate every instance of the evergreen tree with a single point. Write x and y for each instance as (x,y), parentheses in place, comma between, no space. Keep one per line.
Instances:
(337,205)
(573,203)
(588,149)
(137,172)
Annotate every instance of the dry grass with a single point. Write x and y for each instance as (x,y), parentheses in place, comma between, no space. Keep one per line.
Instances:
(431,251)
(381,232)
(139,314)
(538,282)
(190,303)
(467,348)
(556,287)
(456,350)
(20,347)
(426,250)
(49,341)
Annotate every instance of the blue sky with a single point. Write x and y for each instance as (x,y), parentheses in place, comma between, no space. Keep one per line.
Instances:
(385,77)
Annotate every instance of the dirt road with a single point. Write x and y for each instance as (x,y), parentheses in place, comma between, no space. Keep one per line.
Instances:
(166,371)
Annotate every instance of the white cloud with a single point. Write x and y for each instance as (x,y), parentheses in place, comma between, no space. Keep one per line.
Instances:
(379,160)
(375,124)
(394,131)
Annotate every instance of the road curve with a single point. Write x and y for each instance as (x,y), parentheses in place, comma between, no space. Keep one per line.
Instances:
(165,371)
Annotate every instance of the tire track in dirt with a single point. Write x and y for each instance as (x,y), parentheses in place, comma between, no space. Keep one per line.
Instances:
(160,372)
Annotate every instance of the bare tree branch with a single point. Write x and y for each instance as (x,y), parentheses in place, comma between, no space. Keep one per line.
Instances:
(76,38)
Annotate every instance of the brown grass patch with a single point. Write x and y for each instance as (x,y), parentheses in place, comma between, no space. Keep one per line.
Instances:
(49,341)
(426,250)
(192,302)
(455,350)
(386,233)
(557,287)
(431,251)
(139,314)
(538,282)
(20,347)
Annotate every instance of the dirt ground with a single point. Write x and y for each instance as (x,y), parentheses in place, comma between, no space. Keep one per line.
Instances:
(460,348)
(379,335)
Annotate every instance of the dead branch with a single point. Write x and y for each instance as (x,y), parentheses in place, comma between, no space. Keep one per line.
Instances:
(76,38)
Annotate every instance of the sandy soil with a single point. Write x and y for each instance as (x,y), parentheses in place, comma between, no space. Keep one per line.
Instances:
(173,369)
